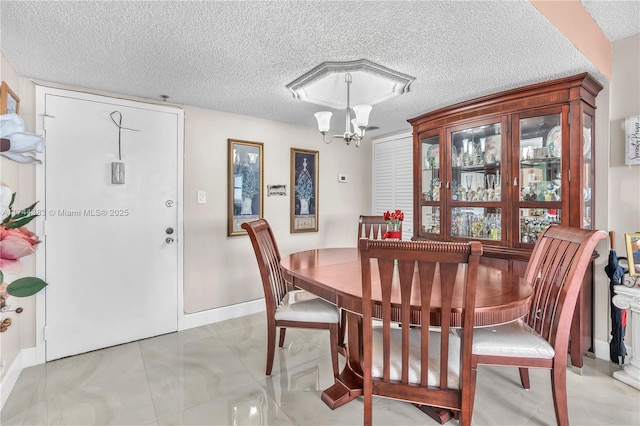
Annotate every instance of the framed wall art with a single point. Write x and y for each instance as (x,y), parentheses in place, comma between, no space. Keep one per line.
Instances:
(245,179)
(9,101)
(633,253)
(304,190)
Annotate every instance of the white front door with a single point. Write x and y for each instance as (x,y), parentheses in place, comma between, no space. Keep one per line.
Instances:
(112,249)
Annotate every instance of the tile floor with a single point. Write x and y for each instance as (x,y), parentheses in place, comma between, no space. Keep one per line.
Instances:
(214,375)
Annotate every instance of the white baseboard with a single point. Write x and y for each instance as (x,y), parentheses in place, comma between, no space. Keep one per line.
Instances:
(221,314)
(25,358)
(602,350)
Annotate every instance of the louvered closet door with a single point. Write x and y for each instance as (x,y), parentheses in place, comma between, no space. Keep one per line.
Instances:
(393,179)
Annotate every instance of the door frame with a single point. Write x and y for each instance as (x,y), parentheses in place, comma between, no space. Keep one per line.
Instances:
(41,92)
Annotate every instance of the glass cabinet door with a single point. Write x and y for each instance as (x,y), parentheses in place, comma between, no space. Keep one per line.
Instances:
(539,175)
(476,182)
(587,199)
(431,185)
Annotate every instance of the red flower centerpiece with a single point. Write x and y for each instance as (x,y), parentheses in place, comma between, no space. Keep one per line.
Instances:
(394,222)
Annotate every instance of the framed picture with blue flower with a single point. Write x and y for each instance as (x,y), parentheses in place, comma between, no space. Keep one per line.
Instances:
(245,194)
(304,190)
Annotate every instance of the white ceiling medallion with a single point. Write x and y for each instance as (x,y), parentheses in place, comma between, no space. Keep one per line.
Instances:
(372,83)
(323,86)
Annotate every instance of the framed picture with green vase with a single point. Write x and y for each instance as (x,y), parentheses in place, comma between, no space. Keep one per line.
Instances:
(304,190)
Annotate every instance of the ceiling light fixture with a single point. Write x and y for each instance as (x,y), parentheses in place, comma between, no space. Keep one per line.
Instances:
(359,122)
(323,86)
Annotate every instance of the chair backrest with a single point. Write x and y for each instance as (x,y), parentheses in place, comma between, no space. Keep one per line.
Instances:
(268,257)
(556,271)
(426,273)
(373,227)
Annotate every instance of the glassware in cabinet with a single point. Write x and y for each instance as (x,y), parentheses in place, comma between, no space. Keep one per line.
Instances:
(476,164)
(431,168)
(539,174)
(431,219)
(431,184)
(477,222)
(533,221)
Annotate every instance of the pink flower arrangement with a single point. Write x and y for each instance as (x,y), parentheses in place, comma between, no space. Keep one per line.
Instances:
(16,242)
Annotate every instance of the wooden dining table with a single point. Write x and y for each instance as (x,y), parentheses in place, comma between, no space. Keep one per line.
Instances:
(334,274)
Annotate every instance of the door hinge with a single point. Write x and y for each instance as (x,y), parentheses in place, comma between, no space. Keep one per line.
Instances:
(45,333)
(569,173)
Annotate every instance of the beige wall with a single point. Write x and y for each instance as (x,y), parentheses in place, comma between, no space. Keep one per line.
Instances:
(624,181)
(221,270)
(618,186)
(21,179)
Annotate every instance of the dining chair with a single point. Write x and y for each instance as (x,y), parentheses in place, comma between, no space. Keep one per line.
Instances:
(417,364)
(556,271)
(372,227)
(287,307)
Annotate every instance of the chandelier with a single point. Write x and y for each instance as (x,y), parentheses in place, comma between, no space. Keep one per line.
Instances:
(356,120)
(322,85)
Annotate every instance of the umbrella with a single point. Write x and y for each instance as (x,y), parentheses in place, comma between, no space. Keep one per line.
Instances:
(615,272)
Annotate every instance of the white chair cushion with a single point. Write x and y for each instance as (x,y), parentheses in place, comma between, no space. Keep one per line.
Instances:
(300,305)
(414,356)
(514,339)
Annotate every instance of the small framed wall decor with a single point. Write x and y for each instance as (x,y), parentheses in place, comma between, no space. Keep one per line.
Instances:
(245,194)
(633,253)
(9,101)
(276,190)
(304,190)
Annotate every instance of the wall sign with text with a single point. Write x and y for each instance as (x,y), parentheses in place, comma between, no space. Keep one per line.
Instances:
(632,140)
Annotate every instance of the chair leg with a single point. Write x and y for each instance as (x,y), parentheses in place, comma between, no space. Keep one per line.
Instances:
(524,378)
(559,391)
(271,346)
(368,409)
(333,336)
(282,333)
(468,399)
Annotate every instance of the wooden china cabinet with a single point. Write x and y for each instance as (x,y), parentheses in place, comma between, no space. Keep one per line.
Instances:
(500,168)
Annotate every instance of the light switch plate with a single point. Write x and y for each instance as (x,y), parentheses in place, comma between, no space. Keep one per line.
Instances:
(202,196)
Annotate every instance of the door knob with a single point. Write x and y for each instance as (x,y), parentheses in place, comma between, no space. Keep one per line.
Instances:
(169,231)
(169,240)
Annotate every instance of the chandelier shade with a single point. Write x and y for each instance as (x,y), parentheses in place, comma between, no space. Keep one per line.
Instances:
(324,120)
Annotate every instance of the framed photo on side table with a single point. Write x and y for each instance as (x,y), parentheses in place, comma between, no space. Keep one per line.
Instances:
(633,253)
(245,179)
(9,101)
(304,190)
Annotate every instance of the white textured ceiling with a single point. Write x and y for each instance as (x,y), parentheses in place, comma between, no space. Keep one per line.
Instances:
(238,56)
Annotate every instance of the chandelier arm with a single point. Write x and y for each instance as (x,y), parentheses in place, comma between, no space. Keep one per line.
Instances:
(324,138)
